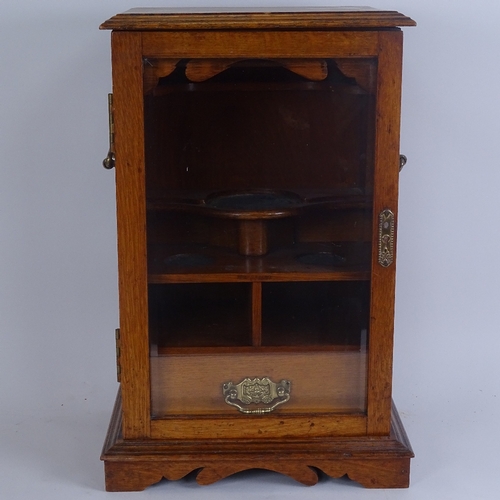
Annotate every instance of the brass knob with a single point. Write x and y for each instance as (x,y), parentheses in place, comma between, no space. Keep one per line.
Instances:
(402,161)
(109,162)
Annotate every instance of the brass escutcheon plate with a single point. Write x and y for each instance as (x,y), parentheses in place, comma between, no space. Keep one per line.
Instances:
(386,238)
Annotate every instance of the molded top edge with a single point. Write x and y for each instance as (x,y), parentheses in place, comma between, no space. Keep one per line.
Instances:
(190,18)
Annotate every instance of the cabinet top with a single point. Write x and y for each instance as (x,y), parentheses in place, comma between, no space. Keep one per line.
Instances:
(148,19)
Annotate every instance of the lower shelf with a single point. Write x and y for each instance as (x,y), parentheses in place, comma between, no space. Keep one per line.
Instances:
(372,461)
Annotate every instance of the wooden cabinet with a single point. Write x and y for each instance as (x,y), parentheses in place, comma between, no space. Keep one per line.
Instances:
(257,163)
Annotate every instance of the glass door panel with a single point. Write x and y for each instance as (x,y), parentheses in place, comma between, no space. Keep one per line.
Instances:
(259,181)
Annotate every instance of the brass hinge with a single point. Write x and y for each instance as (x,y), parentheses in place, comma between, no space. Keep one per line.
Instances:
(109,161)
(118,353)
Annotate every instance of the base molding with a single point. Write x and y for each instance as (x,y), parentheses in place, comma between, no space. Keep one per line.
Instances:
(374,462)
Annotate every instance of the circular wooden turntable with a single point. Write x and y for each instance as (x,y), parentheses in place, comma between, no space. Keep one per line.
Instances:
(252,209)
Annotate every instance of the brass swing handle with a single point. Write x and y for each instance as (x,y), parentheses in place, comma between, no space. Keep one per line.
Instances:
(109,161)
(257,391)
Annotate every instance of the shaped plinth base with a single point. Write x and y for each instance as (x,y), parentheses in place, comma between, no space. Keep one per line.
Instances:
(374,462)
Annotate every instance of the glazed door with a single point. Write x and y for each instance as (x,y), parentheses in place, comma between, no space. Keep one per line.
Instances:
(256,193)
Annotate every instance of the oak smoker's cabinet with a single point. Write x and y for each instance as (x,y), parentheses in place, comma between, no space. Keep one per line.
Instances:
(257,162)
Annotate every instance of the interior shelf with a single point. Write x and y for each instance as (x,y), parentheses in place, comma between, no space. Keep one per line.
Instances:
(191,263)
(211,351)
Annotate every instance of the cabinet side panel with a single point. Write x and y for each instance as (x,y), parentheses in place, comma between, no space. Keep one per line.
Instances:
(385,197)
(131,220)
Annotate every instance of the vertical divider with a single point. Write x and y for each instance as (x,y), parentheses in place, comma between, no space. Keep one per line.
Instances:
(256,314)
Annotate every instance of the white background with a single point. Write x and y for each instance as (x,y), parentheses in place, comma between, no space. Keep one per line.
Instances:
(58,291)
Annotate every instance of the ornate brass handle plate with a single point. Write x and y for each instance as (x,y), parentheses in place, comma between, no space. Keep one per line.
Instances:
(256,391)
